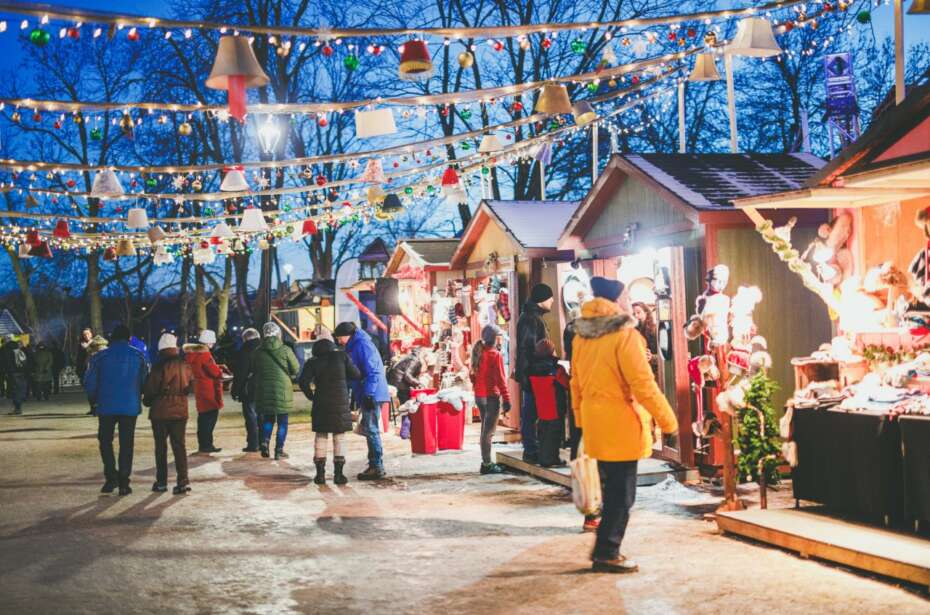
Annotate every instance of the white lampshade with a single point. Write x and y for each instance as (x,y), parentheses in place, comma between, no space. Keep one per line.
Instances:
(455,194)
(253,221)
(106,185)
(489,144)
(234,181)
(162,257)
(374,123)
(155,234)
(203,256)
(705,68)
(222,231)
(754,37)
(137,218)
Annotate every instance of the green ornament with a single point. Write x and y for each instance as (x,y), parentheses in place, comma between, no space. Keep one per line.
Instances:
(287,208)
(466,145)
(553,125)
(408,190)
(39,37)
(350,62)
(208,211)
(151,182)
(592,87)
(485,170)
(579,46)
(95,134)
(466,114)
(864,17)
(430,190)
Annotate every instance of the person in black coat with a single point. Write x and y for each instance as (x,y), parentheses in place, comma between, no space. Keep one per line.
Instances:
(404,374)
(329,371)
(241,365)
(531,329)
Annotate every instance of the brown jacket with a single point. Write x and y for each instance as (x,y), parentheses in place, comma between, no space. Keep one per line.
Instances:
(167,387)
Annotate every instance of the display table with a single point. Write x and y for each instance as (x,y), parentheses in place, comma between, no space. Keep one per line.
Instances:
(423,425)
(915,449)
(850,462)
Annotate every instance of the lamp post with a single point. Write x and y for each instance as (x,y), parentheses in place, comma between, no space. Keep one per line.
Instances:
(705,69)
(754,38)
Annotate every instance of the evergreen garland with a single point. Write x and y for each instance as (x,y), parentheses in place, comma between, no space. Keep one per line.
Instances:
(748,441)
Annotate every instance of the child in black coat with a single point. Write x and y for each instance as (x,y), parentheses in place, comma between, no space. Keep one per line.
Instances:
(550,389)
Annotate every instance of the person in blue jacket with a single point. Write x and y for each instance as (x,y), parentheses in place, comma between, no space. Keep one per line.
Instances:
(113,383)
(369,392)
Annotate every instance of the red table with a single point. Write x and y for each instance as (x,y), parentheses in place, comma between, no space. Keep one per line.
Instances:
(450,433)
(423,425)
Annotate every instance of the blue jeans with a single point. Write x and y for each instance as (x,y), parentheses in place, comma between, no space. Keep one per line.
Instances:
(618,484)
(268,421)
(528,421)
(371,420)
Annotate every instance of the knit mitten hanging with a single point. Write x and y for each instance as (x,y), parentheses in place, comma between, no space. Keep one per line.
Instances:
(503,307)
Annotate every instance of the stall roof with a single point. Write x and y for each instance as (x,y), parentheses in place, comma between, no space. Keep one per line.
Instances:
(376,252)
(533,225)
(8,324)
(433,253)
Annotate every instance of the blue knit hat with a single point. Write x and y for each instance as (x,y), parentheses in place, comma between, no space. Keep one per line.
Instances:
(606,289)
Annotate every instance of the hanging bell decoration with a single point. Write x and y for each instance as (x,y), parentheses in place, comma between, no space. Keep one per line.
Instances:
(391,204)
(450,177)
(583,113)
(222,231)
(490,144)
(374,123)
(32,238)
(754,37)
(125,247)
(162,256)
(137,218)
(253,221)
(236,68)
(375,195)
(61,230)
(415,61)
(309,227)
(41,250)
(23,251)
(106,185)
(919,7)
(705,68)
(155,234)
(374,173)
(553,100)
(234,180)
(109,254)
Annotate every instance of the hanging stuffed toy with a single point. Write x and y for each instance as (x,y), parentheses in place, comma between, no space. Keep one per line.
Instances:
(829,255)
(713,307)
(503,306)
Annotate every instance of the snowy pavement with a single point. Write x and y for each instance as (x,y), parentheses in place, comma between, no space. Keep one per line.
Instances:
(258,537)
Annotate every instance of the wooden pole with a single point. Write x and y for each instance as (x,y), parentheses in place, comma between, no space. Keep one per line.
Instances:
(542,180)
(731,103)
(681,118)
(899,86)
(594,163)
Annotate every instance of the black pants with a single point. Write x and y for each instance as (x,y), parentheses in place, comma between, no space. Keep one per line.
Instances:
(43,390)
(106,424)
(550,435)
(251,424)
(163,431)
(206,421)
(56,382)
(618,483)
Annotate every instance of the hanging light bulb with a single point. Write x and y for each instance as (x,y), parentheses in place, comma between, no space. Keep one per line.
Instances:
(269,134)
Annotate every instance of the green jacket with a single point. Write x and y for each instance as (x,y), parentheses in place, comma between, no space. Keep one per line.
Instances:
(42,362)
(273,365)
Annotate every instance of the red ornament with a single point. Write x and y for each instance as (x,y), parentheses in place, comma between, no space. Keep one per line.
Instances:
(450,177)
(32,238)
(444,112)
(375,50)
(498,46)
(672,36)
(134,184)
(61,230)
(231,208)
(396,164)
(692,32)
(309,227)
(118,210)
(635,79)
(516,107)
(133,35)
(429,152)
(320,180)
(789,26)
(327,50)
(71,183)
(322,122)
(74,33)
(546,43)
(36,117)
(57,125)
(827,7)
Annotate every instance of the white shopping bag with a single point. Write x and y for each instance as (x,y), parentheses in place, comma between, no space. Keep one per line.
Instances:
(586,483)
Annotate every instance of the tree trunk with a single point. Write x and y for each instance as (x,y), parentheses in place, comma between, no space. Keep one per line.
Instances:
(200,299)
(222,304)
(92,292)
(22,279)
(241,262)
(183,300)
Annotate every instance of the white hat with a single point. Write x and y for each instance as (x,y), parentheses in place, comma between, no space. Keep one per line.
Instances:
(250,334)
(167,340)
(271,329)
(207,337)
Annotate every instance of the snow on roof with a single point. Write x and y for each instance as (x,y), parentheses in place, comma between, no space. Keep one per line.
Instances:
(434,251)
(534,224)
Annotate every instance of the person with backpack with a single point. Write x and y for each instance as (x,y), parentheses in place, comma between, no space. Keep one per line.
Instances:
(208,388)
(550,384)
(113,382)
(490,388)
(15,365)
(43,362)
(271,370)
(328,372)
(241,360)
(165,393)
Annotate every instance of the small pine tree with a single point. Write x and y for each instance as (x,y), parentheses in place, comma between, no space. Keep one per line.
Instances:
(752,443)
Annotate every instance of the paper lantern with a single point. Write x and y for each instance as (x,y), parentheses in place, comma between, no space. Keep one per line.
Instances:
(235,68)
(253,221)
(373,173)
(125,247)
(137,218)
(415,61)
(155,234)
(162,256)
(234,180)
(583,113)
(391,203)
(309,227)
(554,100)
(106,185)
(490,144)
(754,37)
(374,123)
(41,250)
(61,230)
(23,251)
(222,231)
(32,238)
(450,177)
(705,68)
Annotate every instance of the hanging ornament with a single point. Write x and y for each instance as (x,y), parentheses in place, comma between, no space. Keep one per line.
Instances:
(498,46)
(126,125)
(374,173)
(133,35)
(95,134)
(691,33)
(525,44)
(350,62)
(546,43)
(70,183)
(36,117)
(375,49)
(39,37)
(16,117)
(516,107)
(57,125)
(864,17)
(672,37)
(61,230)
(74,33)
(151,182)
(327,50)
(322,122)
(415,61)
(197,185)
(466,59)
(185,129)
(320,180)
(465,114)
(710,39)
(236,68)
(592,86)
(408,190)
(579,46)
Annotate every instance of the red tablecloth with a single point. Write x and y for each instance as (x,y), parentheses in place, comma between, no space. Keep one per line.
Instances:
(423,426)
(450,434)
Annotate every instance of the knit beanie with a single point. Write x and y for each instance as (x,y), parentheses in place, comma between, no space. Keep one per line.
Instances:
(541,292)
(606,289)
(271,329)
(250,334)
(167,340)
(545,348)
(207,337)
(344,329)
(324,334)
(489,335)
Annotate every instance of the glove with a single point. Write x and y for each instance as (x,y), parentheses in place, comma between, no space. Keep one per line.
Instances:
(368,403)
(506,407)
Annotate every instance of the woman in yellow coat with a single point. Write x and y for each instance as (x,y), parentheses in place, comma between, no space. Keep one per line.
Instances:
(613,395)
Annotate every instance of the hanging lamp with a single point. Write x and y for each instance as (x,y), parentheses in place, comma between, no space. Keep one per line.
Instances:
(705,68)
(754,37)
(155,234)
(253,221)
(919,7)
(32,238)
(490,144)
(236,68)
(234,180)
(583,113)
(309,227)
(125,247)
(374,123)
(391,203)
(374,173)
(222,231)
(415,61)
(375,195)
(106,185)
(61,230)
(137,218)
(553,100)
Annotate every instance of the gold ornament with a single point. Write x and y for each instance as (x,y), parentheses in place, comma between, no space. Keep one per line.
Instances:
(466,59)
(185,129)
(15,117)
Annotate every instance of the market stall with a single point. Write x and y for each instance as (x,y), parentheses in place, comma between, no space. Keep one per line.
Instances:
(661,223)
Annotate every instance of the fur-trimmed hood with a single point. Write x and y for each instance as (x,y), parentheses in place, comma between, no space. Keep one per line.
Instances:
(600,317)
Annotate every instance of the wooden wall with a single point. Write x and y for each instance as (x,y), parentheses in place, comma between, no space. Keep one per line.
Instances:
(888,233)
(634,202)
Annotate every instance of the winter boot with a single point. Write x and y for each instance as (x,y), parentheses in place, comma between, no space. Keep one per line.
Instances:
(338,477)
(159,488)
(372,473)
(280,454)
(320,478)
(264,450)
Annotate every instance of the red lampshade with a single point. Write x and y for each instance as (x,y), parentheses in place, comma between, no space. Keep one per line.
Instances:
(32,238)
(41,249)
(415,61)
(61,230)
(450,177)
(309,227)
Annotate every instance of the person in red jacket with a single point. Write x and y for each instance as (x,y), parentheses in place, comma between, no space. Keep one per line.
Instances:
(490,386)
(208,388)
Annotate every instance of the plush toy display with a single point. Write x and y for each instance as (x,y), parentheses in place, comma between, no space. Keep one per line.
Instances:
(829,254)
